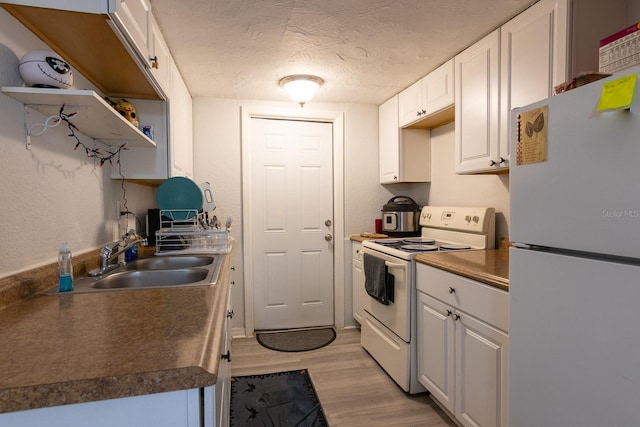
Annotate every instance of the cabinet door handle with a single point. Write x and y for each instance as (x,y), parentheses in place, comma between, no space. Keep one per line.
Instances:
(449,313)
(227,356)
(154,62)
(492,163)
(502,161)
(230,314)
(452,290)
(418,113)
(456,317)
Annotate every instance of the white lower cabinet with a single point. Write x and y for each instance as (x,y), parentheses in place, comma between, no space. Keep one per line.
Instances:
(463,346)
(220,393)
(357,280)
(172,409)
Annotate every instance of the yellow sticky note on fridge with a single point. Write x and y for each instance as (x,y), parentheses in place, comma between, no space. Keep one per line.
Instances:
(617,94)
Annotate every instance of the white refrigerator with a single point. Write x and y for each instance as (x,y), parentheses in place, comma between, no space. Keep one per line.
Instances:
(575,268)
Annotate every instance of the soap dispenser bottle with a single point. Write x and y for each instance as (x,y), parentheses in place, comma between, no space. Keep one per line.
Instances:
(65,269)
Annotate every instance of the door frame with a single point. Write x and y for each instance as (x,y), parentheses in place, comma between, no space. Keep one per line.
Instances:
(337,120)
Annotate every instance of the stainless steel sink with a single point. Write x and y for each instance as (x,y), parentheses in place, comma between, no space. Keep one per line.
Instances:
(151,278)
(155,272)
(170,262)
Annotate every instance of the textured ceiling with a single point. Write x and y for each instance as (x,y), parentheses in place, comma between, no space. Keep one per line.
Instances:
(365,50)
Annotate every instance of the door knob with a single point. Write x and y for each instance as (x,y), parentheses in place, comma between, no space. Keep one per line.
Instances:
(328,223)
(328,237)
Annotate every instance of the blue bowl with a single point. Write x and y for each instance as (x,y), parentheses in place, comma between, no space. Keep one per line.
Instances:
(181,197)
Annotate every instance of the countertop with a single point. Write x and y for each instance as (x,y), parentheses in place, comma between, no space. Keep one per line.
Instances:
(488,266)
(366,236)
(71,348)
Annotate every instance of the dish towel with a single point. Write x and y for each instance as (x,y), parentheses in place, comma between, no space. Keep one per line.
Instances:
(378,283)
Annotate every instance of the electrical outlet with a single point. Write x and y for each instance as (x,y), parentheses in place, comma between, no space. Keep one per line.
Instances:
(122,220)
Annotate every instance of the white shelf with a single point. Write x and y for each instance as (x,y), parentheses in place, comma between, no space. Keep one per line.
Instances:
(95,118)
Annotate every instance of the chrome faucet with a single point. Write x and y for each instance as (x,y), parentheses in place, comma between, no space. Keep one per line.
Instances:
(107,254)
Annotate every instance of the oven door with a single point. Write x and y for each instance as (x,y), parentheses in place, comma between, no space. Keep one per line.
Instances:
(397,315)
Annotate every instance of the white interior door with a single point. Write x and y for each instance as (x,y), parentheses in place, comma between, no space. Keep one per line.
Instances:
(292,223)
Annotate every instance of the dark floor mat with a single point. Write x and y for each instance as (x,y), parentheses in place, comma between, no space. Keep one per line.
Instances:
(279,399)
(297,340)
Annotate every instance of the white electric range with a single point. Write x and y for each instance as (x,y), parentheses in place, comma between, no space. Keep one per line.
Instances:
(388,329)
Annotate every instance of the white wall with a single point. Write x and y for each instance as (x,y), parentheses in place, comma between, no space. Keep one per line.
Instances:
(450,189)
(51,192)
(217,148)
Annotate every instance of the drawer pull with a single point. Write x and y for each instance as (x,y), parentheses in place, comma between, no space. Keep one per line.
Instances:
(451,290)
(227,356)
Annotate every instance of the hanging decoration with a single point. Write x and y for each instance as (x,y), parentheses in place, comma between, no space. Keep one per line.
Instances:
(62,117)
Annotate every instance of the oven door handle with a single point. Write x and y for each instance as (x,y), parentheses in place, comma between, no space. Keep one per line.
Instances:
(400,266)
(393,265)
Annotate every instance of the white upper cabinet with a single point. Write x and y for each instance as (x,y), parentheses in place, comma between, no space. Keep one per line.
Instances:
(404,154)
(411,103)
(173,128)
(439,84)
(181,127)
(477,106)
(140,69)
(159,56)
(133,17)
(427,96)
(533,58)
(120,27)
(537,50)
(389,141)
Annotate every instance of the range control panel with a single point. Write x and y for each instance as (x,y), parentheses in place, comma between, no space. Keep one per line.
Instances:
(469,219)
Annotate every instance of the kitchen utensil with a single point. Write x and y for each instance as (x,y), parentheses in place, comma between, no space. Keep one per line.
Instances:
(208,204)
(400,217)
(180,196)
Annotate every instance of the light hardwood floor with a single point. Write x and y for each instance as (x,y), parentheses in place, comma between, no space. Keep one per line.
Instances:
(352,388)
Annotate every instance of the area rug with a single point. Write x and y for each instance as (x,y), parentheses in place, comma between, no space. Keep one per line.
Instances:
(280,399)
(296,340)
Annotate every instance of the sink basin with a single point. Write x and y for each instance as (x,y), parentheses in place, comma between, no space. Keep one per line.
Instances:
(169,262)
(155,272)
(151,278)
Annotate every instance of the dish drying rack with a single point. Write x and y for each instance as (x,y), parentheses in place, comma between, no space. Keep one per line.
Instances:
(186,231)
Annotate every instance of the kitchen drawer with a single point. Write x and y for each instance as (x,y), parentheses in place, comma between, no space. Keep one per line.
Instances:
(356,250)
(482,301)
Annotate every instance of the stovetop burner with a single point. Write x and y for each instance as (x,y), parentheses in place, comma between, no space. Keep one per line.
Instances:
(454,247)
(420,244)
(444,229)
(420,241)
(418,248)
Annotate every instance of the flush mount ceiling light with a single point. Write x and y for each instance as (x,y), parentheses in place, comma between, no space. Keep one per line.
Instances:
(301,87)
